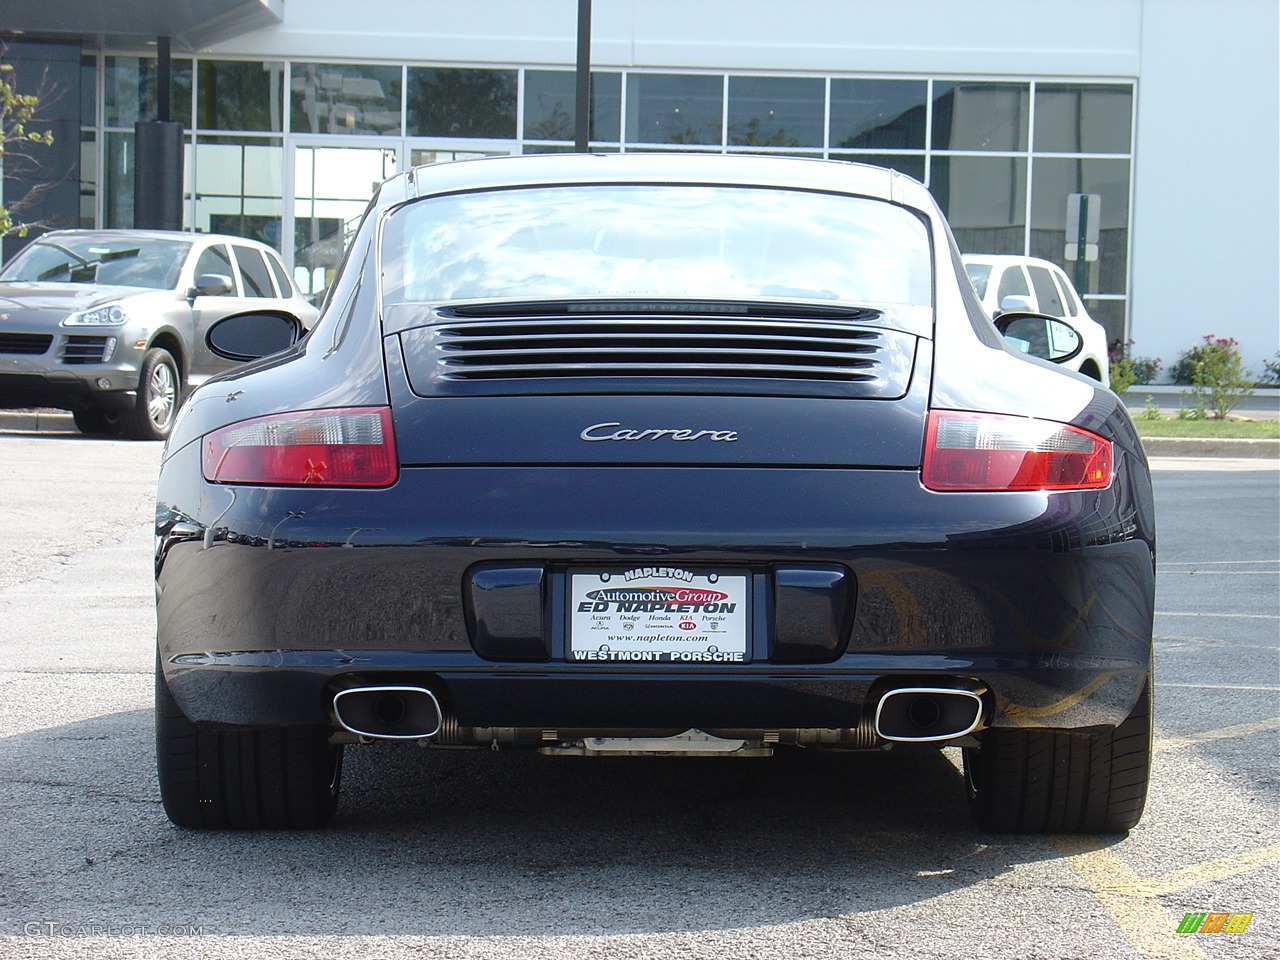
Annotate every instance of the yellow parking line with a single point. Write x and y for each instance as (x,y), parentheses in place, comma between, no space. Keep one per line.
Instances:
(1239,730)
(1143,921)
(1202,873)
(1018,713)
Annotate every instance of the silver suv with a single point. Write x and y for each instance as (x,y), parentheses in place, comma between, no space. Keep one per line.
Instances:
(110,324)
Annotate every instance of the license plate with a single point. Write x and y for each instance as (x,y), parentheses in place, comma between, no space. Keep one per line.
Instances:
(658,615)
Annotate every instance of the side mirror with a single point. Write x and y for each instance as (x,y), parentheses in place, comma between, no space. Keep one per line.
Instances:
(1039,336)
(1015,303)
(210,285)
(251,336)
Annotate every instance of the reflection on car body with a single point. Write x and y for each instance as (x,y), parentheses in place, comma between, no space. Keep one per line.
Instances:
(677,455)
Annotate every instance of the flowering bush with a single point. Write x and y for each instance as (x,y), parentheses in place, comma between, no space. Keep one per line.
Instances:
(1125,370)
(1216,373)
(1271,371)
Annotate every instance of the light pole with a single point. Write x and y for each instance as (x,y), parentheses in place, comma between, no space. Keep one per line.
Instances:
(291,515)
(582,92)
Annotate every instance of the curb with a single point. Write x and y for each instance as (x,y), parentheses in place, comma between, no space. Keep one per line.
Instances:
(37,421)
(1209,447)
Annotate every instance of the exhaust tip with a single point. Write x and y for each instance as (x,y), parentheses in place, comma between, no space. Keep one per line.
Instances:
(388,712)
(923,714)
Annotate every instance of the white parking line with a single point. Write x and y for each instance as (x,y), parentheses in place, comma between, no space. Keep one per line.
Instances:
(1213,563)
(1234,616)
(1223,573)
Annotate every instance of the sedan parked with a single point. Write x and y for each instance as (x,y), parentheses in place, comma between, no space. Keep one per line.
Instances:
(110,324)
(654,455)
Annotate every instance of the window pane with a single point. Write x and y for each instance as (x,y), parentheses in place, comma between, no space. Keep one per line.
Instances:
(1074,118)
(1055,180)
(980,116)
(235,95)
(282,279)
(214,260)
(332,187)
(117,186)
(129,90)
(1112,314)
(1013,283)
(775,111)
(674,108)
(238,187)
(1046,292)
(462,103)
(911,165)
(88,180)
(253,272)
(550,105)
(88,91)
(878,114)
(345,98)
(984,199)
(1064,290)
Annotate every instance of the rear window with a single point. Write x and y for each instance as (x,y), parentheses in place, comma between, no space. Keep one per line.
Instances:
(253,270)
(1046,292)
(655,241)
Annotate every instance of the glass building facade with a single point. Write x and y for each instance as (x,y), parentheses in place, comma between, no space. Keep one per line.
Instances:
(1002,158)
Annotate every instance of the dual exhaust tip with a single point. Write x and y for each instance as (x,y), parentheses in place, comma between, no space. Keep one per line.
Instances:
(907,714)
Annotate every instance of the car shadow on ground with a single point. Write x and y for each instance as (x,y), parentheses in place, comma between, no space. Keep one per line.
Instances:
(452,843)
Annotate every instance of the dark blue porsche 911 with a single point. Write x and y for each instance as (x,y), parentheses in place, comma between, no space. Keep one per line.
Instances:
(670,455)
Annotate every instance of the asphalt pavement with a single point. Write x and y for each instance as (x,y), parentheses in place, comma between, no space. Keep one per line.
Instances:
(500,855)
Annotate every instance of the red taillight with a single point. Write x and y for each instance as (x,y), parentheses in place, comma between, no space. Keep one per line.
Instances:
(350,447)
(980,451)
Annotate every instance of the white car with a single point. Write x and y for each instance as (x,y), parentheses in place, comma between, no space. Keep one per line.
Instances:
(1006,283)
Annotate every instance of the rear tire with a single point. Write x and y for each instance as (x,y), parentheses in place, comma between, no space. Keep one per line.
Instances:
(159,393)
(1054,781)
(273,779)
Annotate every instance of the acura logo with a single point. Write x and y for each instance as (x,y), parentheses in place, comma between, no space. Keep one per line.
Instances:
(607,431)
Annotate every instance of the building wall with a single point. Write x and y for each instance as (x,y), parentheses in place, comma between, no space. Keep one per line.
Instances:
(1206,227)
(1066,37)
(1205,242)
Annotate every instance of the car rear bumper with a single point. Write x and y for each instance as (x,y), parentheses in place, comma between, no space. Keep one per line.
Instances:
(270,600)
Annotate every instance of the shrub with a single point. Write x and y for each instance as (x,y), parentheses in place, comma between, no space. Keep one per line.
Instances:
(1271,371)
(1125,370)
(1217,375)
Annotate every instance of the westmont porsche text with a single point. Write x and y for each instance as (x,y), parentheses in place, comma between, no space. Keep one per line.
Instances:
(657,656)
(606,455)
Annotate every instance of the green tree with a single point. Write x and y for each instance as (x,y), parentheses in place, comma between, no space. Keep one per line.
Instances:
(17,110)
